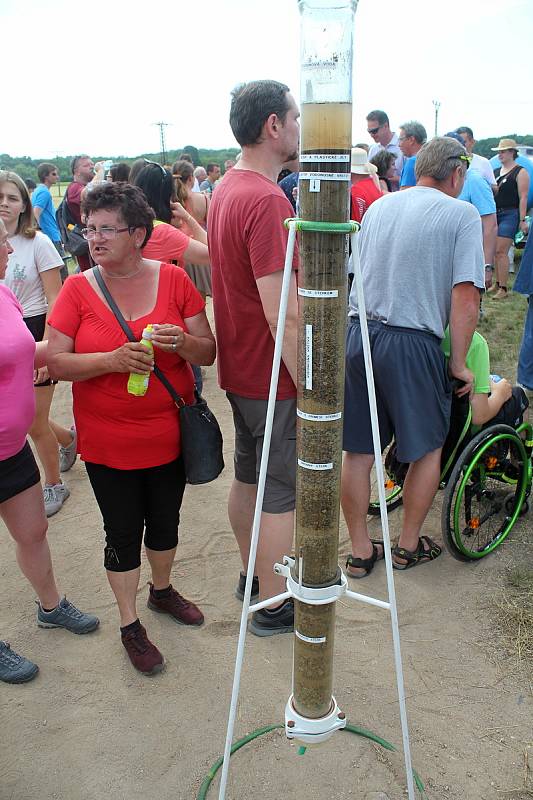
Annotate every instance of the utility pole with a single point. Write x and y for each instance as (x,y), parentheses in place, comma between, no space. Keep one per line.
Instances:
(162,126)
(436,106)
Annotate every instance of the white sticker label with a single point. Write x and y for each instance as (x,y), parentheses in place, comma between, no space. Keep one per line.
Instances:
(311,640)
(325,176)
(308,465)
(314,185)
(308,356)
(318,292)
(331,158)
(319,417)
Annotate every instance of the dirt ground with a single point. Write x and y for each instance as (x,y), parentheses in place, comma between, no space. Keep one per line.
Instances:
(89,727)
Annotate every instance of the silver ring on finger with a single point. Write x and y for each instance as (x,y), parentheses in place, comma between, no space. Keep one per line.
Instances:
(174,346)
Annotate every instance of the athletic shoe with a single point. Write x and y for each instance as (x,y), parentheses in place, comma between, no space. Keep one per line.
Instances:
(180,609)
(15,668)
(142,653)
(268,623)
(54,497)
(239,591)
(66,615)
(67,455)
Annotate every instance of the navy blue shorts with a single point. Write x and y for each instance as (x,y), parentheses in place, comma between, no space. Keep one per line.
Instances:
(413,392)
(508,220)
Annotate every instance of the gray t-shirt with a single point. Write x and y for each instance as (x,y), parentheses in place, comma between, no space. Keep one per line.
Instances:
(415,246)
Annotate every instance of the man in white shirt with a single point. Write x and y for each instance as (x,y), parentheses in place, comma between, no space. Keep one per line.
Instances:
(478,162)
(384,139)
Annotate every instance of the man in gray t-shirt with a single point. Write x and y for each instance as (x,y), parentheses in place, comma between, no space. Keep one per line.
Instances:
(422,267)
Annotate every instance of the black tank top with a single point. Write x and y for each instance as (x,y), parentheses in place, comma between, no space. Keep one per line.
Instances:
(507,196)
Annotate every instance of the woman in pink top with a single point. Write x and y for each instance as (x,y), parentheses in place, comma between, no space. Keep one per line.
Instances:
(21,498)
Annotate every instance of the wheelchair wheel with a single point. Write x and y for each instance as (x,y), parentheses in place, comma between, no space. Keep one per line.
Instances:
(394,475)
(486,493)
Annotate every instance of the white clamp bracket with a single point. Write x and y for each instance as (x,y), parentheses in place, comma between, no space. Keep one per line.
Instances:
(312,731)
(307,594)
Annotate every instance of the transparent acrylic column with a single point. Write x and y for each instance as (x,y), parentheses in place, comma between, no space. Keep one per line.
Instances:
(324,195)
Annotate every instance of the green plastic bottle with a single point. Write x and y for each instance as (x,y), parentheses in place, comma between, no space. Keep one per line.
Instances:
(137,383)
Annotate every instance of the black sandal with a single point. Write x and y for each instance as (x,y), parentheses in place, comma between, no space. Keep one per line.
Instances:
(366,563)
(418,556)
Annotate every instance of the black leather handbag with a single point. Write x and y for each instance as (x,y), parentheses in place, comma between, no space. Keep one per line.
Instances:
(201,437)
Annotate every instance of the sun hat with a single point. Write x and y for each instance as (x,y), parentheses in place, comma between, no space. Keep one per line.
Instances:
(505,144)
(360,163)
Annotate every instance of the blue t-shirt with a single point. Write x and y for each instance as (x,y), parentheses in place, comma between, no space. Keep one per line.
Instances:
(477,191)
(408,172)
(286,185)
(41,198)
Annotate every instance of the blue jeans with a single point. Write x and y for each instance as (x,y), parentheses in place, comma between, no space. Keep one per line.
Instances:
(525,358)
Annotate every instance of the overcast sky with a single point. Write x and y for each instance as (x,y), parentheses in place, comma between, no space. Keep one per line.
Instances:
(130,64)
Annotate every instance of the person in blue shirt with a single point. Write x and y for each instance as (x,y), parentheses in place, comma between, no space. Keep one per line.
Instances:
(44,210)
(412,136)
(524,285)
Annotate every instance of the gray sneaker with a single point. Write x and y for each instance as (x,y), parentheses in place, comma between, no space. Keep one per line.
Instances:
(66,615)
(54,497)
(67,455)
(15,668)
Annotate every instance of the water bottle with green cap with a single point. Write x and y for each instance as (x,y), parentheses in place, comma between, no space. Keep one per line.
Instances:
(137,382)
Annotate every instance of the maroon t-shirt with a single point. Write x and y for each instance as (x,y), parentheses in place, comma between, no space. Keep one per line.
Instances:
(247,241)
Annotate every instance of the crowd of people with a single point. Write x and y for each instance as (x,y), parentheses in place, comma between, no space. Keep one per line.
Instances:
(436,220)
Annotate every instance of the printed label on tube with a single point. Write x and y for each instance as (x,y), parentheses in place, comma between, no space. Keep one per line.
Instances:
(319,417)
(318,292)
(325,176)
(309,465)
(308,356)
(310,639)
(331,158)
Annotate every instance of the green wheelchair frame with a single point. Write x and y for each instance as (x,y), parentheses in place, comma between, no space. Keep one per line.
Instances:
(482,502)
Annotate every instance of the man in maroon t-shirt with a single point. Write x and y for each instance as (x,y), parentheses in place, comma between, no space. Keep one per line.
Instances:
(247,243)
(83,172)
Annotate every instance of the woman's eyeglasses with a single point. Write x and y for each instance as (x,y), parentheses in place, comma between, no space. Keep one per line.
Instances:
(106,232)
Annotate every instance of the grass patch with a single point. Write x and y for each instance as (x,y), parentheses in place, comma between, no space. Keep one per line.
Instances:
(514,613)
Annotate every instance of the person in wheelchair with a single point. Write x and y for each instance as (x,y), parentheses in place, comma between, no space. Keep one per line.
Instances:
(493,400)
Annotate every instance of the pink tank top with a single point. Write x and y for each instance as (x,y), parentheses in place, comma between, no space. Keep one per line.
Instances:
(17,395)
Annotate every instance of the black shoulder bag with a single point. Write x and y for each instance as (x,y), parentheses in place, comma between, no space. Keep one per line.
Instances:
(201,437)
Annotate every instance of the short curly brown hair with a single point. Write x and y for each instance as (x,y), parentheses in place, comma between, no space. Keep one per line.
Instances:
(128,200)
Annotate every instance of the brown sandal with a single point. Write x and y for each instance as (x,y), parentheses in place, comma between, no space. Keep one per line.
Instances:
(366,563)
(418,556)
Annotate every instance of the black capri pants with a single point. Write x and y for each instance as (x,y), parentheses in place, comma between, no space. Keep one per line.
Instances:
(137,501)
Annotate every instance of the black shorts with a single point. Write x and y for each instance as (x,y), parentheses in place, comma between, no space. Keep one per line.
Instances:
(413,392)
(18,473)
(36,326)
(512,411)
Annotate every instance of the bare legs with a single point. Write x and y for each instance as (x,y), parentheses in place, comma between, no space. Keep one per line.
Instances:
(26,522)
(419,489)
(44,437)
(125,584)
(275,539)
(502,262)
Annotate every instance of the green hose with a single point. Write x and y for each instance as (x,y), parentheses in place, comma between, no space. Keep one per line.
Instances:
(202,794)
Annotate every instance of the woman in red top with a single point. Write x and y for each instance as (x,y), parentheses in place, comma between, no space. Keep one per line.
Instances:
(130,444)
(365,189)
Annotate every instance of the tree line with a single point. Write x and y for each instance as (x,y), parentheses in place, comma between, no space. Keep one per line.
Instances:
(26,167)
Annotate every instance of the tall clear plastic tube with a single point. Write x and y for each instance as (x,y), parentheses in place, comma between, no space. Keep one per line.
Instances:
(324,196)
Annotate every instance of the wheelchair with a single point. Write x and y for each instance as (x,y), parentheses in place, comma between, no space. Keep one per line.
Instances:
(486,477)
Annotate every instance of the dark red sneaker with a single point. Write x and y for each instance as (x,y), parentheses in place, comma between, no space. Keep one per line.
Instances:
(143,654)
(180,609)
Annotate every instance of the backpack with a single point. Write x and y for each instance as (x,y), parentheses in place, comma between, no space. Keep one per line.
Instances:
(70,230)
